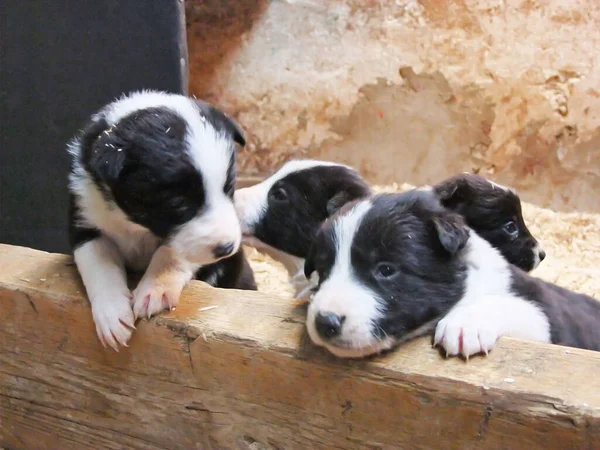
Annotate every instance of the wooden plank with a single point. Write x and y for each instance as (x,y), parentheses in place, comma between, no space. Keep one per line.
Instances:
(244,376)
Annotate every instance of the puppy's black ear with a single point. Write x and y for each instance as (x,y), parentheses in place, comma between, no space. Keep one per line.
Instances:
(337,201)
(453,191)
(452,232)
(309,262)
(222,119)
(101,154)
(354,190)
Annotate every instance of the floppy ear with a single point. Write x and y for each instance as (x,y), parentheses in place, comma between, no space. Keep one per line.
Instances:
(453,191)
(337,201)
(452,232)
(348,194)
(101,155)
(220,117)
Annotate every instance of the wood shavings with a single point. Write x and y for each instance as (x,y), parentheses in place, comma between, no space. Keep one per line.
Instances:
(207,308)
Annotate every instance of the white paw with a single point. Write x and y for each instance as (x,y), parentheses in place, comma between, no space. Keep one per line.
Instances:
(155,295)
(114,320)
(463,333)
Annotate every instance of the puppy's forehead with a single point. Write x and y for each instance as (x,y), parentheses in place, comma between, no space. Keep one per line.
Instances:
(298,166)
(344,227)
(485,184)
(392,214)
(211,150)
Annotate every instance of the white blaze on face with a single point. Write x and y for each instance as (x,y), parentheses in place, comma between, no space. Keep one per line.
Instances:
(217,223)
(344,295)
(251,202)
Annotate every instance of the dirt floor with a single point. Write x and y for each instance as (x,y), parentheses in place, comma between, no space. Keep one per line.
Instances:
(571,242)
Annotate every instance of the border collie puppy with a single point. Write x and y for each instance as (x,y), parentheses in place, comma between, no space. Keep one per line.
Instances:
(391,266)
(151,190)
(281,215)
(494,212)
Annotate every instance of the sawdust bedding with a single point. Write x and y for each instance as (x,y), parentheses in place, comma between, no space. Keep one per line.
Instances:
(571,242)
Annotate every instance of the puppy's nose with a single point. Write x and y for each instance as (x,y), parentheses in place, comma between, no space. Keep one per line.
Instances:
(542,254)
(222,250)
(329,325)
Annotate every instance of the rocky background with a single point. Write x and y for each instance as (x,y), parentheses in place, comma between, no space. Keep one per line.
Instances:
(412,91)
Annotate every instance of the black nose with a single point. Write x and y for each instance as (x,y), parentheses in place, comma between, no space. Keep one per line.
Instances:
(223,250)
(328,325)
(542,255)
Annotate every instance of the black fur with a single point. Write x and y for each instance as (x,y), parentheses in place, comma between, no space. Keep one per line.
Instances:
(221,122)
(574,318)
(407,250)
(141,166)
(230,273)
(300,202)
(412,235)
(487,210)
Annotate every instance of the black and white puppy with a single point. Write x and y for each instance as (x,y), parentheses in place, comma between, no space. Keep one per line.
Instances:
(151,191)
(281,215)
(390,267)
(494,212)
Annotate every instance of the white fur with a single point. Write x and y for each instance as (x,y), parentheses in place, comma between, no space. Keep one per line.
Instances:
(126,242)
(488,310)
(344,295)
(101,268)
(162,283)
(211,152)
(251,202)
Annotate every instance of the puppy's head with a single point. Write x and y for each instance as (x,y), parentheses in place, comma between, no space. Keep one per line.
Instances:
(167,162)
(388,266)
(494,212)
(285,210)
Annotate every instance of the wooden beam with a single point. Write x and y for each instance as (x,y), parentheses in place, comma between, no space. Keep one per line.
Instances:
(244,376)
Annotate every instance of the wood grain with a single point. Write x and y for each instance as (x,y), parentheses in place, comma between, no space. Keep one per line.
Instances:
(244,376)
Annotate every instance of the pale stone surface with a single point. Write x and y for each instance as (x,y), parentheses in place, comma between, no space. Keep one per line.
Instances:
(412,91)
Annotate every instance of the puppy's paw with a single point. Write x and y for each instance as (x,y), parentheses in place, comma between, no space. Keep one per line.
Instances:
(114,320)
(155,295)
(467,333)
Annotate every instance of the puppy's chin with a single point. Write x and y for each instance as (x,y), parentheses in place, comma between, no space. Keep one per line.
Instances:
(350,349)
(360,352)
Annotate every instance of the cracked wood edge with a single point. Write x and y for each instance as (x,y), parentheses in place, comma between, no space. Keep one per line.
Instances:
(243,375)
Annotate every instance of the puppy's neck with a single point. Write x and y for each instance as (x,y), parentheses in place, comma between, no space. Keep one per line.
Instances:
(488,273)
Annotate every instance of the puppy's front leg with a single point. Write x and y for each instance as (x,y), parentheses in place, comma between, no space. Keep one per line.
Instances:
(161,285)
(474,325)
(103,273)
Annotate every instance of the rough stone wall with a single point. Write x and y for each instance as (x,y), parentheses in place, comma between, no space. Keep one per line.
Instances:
(412,91)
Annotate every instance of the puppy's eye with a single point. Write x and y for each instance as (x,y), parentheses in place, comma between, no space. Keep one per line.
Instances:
(385,270)
(511,229)
(279,195)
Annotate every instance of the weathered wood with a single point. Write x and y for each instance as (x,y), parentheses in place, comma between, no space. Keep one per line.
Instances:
(243,376)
